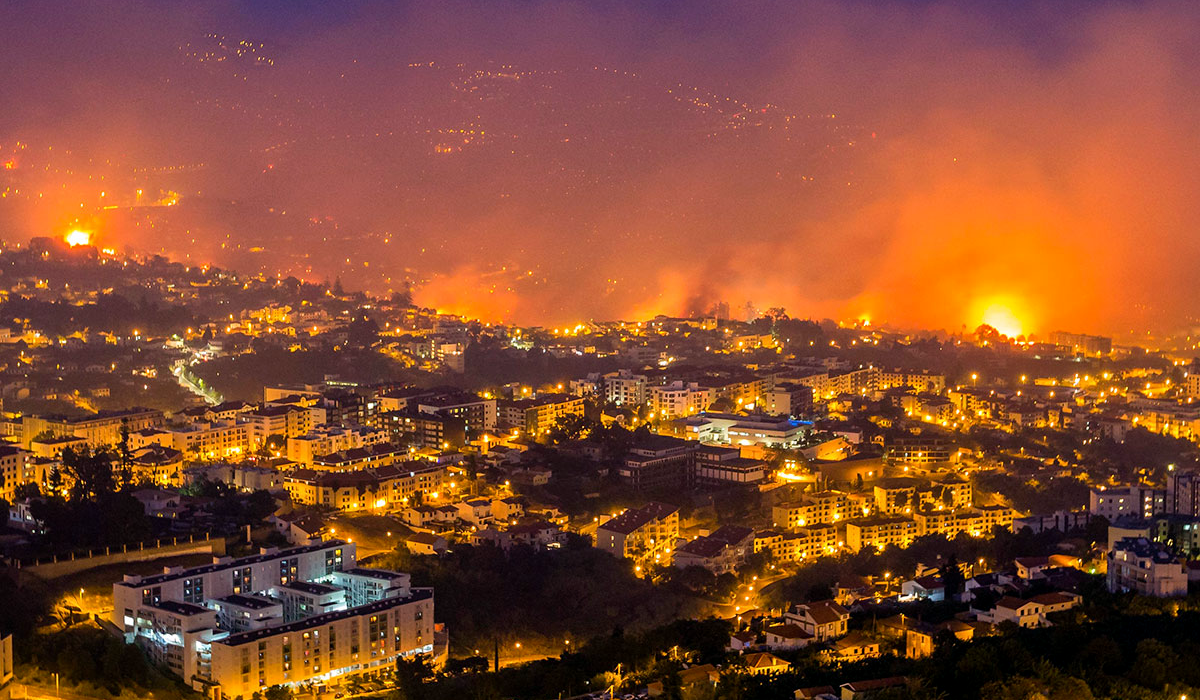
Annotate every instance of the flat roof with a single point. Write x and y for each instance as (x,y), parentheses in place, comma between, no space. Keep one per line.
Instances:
(311,588)
(240,638)
(180,608)
(232,564)
(250,602)
(381,574)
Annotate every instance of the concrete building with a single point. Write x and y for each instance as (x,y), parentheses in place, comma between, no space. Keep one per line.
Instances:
(717,466)
(100,430)
(283,617)
(645,535)
(1147,568)
(659,462)
(1135,500)
(624,388)
(776,432)
(379,488)
(16,469)
(880,532)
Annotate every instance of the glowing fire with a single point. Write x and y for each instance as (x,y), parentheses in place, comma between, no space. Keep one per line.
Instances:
(78,237)
(1002,318)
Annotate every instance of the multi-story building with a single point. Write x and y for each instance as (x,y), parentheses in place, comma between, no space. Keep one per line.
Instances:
(789,399)
(381,488)
(16,469)
(100,430)
(1147,568)
(284,421)
(823,507)
(827,385)
(1183,492)
(1080,342)
(478,415)
(880,532)
(659,462)
(926,448)
(6,666)
(645,535)
(356,458)
(800,544)
(724,466)
(776,432)
(922,381)
(976,522)
(537,417)
(327,439)
(1136,500)
(198,440)
(904,495)
(624,388)
(678,399)
(217,628)
(422,429)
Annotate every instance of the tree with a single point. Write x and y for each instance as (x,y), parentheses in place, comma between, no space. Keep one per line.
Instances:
(411,674)
(572,426)
(278,692)
(672,685)
(952,577)
(90,470)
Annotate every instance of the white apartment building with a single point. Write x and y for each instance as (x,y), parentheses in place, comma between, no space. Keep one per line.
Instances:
(283,617)
(625,388)
(1136,500)
(202,439)
(327,439)
(679,399)
(1147,568)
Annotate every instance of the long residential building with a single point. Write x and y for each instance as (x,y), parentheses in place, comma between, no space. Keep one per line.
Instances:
(100,430)
(384,487)
(283,617)
(199,440)
(880,532)
(800,544)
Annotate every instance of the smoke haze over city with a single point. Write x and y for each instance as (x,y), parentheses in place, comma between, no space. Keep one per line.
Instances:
(922,164)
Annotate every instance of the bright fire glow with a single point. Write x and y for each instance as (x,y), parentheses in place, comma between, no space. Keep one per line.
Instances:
(78,237)
(1002,318)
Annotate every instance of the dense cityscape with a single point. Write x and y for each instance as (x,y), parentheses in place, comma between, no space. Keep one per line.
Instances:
(598,352)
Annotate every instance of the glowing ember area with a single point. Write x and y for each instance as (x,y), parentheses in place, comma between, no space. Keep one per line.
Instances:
(1002,318)
(77,238)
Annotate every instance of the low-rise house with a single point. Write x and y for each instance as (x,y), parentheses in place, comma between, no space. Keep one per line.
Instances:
(825,620)
(694,677)
(478,512)
(742,641)
(820,692)
(923,588)
(299,528)
(787,636)
(426,543)
(1031,612)
(919,638)
(861,690)
(853,647)
(764,664)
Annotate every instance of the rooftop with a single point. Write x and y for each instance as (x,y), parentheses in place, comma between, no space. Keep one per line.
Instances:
(240,638)
(231,564)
